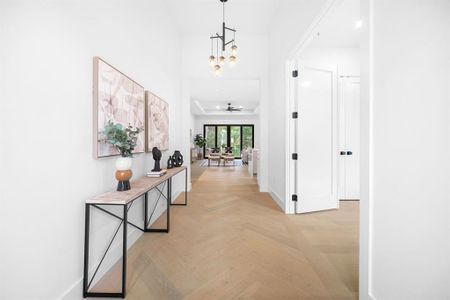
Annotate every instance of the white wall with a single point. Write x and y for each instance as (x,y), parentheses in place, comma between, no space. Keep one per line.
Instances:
(46,104)
(192,128)
(3,224)
(347,60)
(249,120)
(287,29)
(405,99)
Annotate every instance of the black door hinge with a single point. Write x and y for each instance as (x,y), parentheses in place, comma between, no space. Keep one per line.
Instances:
(294,156)
(294,115)
(295,73)
(294,197)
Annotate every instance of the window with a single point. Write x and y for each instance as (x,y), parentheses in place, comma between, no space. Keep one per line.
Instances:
(222,138)
(237,137)
(235,141)
(210,136)
(247,137)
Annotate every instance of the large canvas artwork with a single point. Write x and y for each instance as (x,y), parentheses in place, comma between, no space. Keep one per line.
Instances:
(119,99)
(157,122)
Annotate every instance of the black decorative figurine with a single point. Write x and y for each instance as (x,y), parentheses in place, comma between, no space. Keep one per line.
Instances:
(170,162)
(157,157)
(177,159)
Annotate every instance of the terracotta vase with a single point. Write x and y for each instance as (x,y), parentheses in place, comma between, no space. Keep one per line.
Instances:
(123,173)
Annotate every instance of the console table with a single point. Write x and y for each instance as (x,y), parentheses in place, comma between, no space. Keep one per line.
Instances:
(139,188)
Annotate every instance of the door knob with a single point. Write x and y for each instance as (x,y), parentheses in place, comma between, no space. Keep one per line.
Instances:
(343,152)
(349,152)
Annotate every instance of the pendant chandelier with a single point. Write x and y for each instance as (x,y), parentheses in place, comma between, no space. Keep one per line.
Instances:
(217,62)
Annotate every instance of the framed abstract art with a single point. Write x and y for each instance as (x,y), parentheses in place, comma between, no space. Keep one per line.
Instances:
(157,130)
(119,99)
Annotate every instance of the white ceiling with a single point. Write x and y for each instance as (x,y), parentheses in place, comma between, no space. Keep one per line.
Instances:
(206,94)
(201,18)
(338,28)
(205,16)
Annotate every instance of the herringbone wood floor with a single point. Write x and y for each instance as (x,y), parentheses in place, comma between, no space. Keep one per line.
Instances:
(233,242)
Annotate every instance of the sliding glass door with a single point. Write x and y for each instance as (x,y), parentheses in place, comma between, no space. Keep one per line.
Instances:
(220,136)
(209,132)
(235,141)
(247,137)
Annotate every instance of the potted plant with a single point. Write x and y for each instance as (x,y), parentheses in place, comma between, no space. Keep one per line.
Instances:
(124,139)
(200,142)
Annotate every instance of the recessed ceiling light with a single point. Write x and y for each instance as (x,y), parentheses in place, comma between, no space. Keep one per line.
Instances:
(241,107)
(217,107)
(358,24)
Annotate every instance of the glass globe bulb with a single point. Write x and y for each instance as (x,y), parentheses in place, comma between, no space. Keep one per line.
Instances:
(232,60)
(217,70)
(234,50)
(221,60)
(212,60)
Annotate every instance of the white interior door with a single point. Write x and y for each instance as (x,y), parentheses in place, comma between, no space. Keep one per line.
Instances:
(349,138)
(316,138)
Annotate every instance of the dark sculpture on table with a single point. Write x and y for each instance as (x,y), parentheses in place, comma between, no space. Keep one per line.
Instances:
(170,162)
(157,157)
(177,159)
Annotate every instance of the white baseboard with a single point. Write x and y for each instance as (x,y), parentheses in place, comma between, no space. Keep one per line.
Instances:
(74,292)
(277,199)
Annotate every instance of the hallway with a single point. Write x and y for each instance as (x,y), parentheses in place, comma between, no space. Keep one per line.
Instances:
(233,242)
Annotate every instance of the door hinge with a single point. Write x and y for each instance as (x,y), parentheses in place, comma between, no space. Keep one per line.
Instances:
(294,115)
(294,197)
(295,73)
(294,156)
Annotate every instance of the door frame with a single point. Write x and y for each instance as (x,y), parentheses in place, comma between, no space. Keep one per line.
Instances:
(366,127)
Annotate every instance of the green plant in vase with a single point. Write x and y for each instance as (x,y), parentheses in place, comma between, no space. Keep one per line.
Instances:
(199,141)
(124,139)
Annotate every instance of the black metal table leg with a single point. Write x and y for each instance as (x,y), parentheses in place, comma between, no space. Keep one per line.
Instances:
(86,249)
(124,249)
(86,282)
(145,210)
(169,190)
(148,219)
(169,202)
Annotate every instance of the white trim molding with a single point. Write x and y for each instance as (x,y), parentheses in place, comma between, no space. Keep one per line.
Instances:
(277,199)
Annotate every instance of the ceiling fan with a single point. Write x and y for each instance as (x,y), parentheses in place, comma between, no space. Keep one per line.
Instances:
(232,108)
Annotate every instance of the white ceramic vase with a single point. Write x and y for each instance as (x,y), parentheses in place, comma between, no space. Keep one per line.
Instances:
(123,163)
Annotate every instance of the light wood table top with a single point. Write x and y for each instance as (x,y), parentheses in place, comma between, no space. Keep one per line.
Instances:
(138,188)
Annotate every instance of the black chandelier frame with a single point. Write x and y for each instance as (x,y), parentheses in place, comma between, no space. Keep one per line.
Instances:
(224,30)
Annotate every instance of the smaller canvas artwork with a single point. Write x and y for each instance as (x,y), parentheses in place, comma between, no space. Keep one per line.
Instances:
(157,113)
